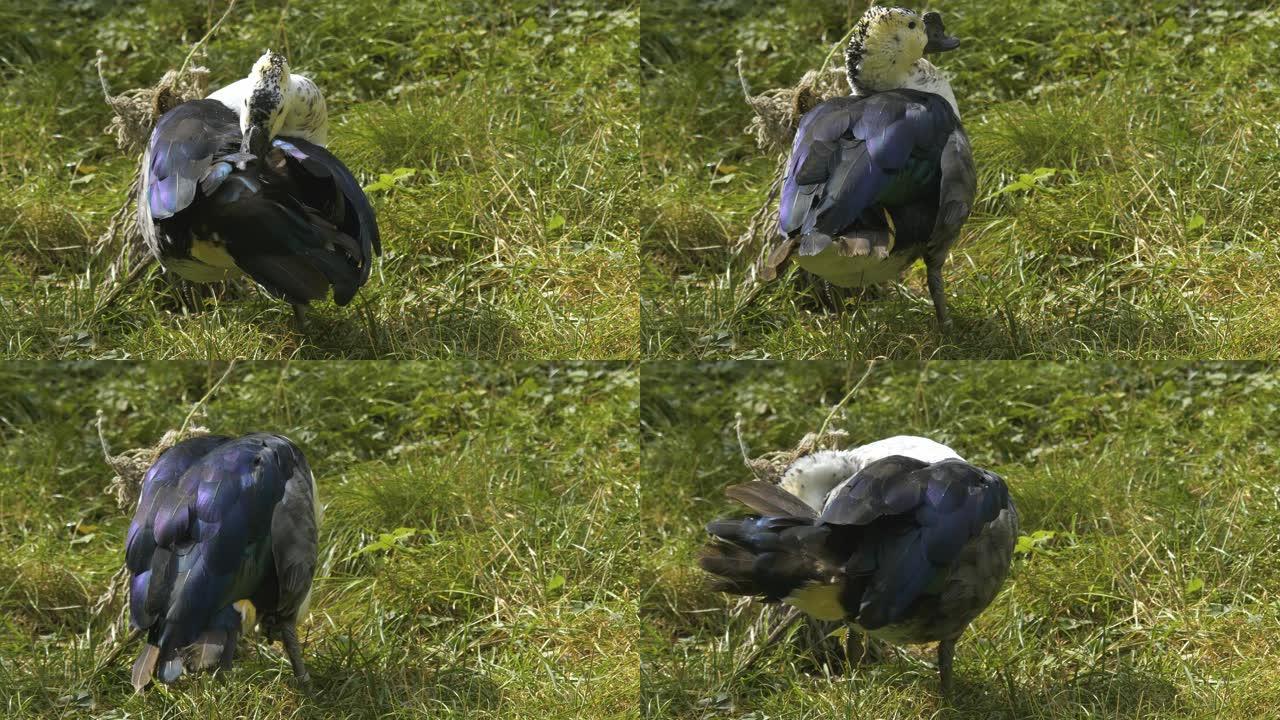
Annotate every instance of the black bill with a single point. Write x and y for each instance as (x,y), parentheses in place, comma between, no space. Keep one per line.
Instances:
(939,40)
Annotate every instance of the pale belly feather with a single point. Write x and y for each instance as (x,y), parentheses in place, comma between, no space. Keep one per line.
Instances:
(209,262)
(851,272)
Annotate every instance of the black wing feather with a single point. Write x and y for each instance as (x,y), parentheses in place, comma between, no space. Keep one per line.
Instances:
(204,536)
(298,221)
(890,533)
(847,150)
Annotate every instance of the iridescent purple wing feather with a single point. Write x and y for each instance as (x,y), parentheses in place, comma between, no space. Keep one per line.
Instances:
(207,533)
(847,150)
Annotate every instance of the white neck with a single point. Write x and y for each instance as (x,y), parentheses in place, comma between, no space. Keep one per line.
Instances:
(304,114)
(816,478)
(921,75)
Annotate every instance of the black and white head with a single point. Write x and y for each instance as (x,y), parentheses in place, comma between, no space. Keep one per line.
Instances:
(263,110)
(886,44)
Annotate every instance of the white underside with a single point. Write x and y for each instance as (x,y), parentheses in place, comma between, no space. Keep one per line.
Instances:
(851,272)
(816,478)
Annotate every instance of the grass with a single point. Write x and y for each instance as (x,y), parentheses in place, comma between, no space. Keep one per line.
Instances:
(508,594)
(510,234)
(1150,591)
(1152,237)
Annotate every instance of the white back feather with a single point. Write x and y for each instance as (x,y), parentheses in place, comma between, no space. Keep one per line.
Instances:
(816,478)
(306,115)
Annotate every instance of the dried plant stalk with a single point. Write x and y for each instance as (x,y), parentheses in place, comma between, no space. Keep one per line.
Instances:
(777,115)
(135,114)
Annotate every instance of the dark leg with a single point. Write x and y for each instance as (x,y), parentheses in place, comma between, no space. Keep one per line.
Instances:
(191,301)
(300,317)
(936,291)
(946,653)
(229,650)
(289,635)
(862,649)
(820,292)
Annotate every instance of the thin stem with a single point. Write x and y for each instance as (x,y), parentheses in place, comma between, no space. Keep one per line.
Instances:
(822,431)
(200,43)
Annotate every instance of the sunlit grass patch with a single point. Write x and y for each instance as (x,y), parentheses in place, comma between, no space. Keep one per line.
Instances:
(1142,587)
(1122,200)
(476,555)
(507,224)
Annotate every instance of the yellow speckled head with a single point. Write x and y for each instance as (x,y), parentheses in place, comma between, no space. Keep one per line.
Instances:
(270,66)
(887,42)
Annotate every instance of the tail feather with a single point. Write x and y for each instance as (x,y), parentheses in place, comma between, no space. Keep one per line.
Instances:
(206,651)
(757,534)
(771,557)
(144,667)
(769,499)
(292,277)
(296,252)
(732,568)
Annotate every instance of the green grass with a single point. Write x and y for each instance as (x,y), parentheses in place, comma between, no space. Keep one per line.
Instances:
(1154,597)
(1154,238)
(513,238)
(513,598)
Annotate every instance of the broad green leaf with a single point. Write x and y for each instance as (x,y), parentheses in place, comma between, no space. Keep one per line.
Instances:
(386,181)
(1027,181)
(386,541)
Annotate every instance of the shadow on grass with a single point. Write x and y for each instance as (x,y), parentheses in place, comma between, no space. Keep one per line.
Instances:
(368,690)
(361,330)
(481,331)
(899,323)
(1119,692)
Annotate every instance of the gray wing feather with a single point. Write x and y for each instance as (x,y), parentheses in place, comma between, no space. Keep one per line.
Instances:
(295,537)
(145,224)
(769,499)
(957,191)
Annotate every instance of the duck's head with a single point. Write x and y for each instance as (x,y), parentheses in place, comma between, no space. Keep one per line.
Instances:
(888,42)
(262,113)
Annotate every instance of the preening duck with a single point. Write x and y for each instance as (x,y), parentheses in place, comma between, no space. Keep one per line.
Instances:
(885,177)
(240,183)
(902,538)
(224,539)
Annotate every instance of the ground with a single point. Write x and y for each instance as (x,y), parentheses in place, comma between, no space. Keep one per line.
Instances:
(476,551)
(506,130)
(1127,185)
(1144,586)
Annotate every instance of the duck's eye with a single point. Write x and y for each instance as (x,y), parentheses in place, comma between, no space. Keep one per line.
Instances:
(911,25)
